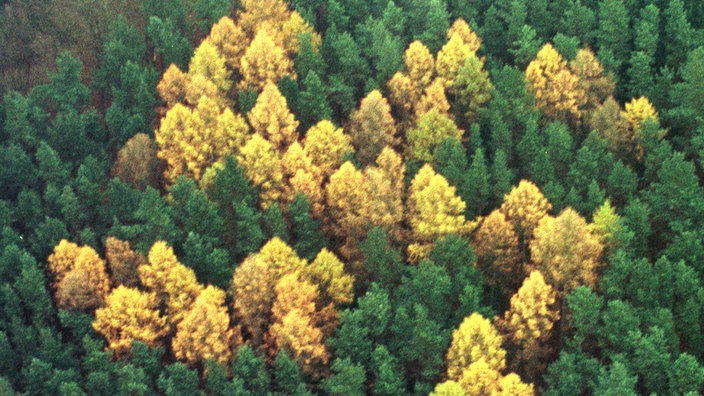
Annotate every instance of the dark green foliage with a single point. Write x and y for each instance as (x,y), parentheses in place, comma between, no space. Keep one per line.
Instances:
(382,261)
(168,42)
(178,380)
(273,223)
(250,368)
(305,230)
(211,264)
(478,181)
(348,379)
(287,376)
(389,378)
(616,381)
(312,102)
(571,374)
(218,384)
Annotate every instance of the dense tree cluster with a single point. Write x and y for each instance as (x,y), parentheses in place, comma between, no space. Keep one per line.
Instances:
(265,197)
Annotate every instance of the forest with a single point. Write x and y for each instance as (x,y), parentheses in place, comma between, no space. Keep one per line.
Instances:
(351,197)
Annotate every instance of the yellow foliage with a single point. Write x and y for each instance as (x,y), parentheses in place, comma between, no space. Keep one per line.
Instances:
(638,110)
(468,36)
(61,261)
(328,272)
(557,90)
(565,251)
(472,86)
(496,245)
(434,210)
(448,388)
(190,141)
(292,30)
(606,225)
(403,94)
(385,188)
(450,58)
(205,333)
(174,284)
(296,159)
(208,62)
(86,284)
(130,315)
(294,293)
(262,12)
(253,296)
(199,86)
(372,127)
(303,176)
(280,258)
(123,262)
(511,385)
(230,41)
(430,129)
(476,340)
(479,379)
(327,145)
(596,86)
(433,98)
(524,206)
(173,86)
(346,197)
(264,62)
(262,166)
(272,118)
(420,65)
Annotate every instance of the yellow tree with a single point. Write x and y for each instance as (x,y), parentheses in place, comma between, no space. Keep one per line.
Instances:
(565,251)
(137,163)
(230,41)
(448,388)
(480,379)
(61,261)
(346,197)
(262,12)
(596,86)
(130,315)
(472,86)
(201,86)
(302,175)
(328,273)
(190,141)
(280,258)
(205,333)
(327,145)
(527,324)
(557,90)
(524,207)
(450,58)
(496,245)
(272,118)
(420,66)
(294,328)
(403,95)
(86,284)
(468,36)
(475,340)
(123,262)
(434,210)
(384,184)
(264,61)
(511,385)
(430,129)
(253,295)
(607,226)
(372,127)
(262,165)
(173,86)
(174,284)
(433,98)
(607,119)
(291,31)
(208,62)
(638,111)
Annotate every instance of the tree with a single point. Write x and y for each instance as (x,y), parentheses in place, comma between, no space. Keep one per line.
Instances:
(327,146)
(474,341)
(616,381)
(372,127)
(229,39)
(595,85)
(271,118)
(137,163)
(472,87)
(348,379)
(205,333)
(261,164)
(305,229)
(346,197)
(253,292)
(614,35)
(328,273)
(556,88)
(85,284)
(496,245)
(174,284)
(477,180)
(565,250)
(209,63)
(312,103)
(190,141)
(263,62)
(287,376)
(450,59)
(280,258)
(62,260)
(524,207)
(430,129)
(433,98)
(130,315)
(527,326)
(434,210)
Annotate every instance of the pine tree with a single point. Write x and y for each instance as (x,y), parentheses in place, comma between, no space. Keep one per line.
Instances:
(472,87)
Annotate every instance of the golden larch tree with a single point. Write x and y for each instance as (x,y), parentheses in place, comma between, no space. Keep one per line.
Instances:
(472,87)
(638,111)
(565,251)
(450,58)
(327,146)
(420,65)
(497,248)
(205,332)
(403,96)
(433,98)
(253,295)
(173,86)
(386,188)
(557,90)
(461,28)
(304,176)
(328,273)
(280,258)
(527,325)
(294,328)
(137,163)
(61,261)
(174,284)
(209,63)
(512,385)
(524,206)
(190,141)
(264,62)
(256,13)
(123,262)
(372,127)
(262,165)
(130,315)
(434,210)
(291,32)
(475,340)
(272,118)
(597,86)
(86,284)
(230,41)
(430,129)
